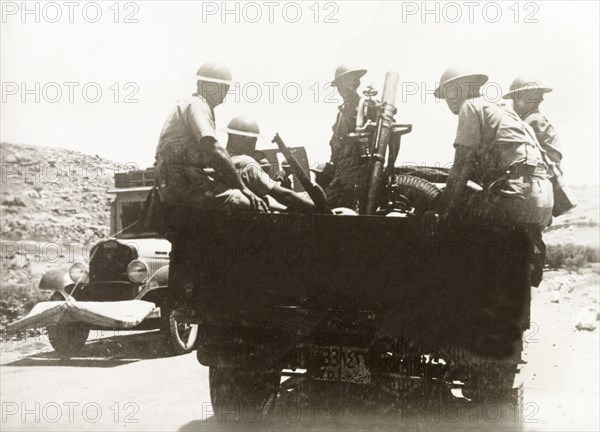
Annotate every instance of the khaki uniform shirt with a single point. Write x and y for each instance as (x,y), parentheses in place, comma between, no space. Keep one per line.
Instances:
(500,140)
(498,135)
(545,134)
(182,156)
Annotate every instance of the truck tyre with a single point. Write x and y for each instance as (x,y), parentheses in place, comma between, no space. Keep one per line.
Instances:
(414,195)
(489,380)
(68,339)
(181,336)
(494,382)
(242,392)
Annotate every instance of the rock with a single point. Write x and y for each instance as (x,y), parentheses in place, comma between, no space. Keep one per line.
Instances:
(13,201)
(554,296)
(11,159)
(587,321)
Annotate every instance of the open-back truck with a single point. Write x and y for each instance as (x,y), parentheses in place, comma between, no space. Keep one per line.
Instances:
(360,299)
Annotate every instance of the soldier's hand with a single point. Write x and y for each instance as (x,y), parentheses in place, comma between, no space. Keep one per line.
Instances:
(256,202)
(430,223)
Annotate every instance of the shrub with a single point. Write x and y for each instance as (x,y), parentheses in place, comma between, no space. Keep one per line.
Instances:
(16,301)
(570,256)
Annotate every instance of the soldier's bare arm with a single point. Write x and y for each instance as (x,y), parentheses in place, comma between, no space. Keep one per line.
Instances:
(457,180)
(292,199)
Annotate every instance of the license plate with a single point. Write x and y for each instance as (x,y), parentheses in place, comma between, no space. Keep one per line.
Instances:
(341,363)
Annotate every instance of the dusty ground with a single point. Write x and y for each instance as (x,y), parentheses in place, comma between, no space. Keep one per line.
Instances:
(124,382)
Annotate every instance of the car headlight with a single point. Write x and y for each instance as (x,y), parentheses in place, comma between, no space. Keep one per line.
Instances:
(137,271)
(78,273)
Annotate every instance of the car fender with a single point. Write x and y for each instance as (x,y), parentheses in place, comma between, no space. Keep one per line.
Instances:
(56,280)
(160,279)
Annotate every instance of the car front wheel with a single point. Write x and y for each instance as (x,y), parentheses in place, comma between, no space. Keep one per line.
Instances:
(182,336)
(68,339)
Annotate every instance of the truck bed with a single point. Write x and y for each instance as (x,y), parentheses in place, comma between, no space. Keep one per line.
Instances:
(468,288)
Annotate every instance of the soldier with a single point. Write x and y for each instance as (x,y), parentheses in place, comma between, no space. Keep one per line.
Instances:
(284,176)
(188,145)
(350,169)
(241,144)
(527,95)
(497,150)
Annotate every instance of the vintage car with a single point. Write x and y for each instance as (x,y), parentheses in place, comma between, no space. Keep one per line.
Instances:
(126,271)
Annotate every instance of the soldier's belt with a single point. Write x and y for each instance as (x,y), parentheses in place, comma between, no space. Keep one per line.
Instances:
(526,170)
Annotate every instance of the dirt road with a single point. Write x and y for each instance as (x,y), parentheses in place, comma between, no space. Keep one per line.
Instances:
(124,382)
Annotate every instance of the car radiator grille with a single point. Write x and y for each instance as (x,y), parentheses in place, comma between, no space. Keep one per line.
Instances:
(109,261)
(155,263)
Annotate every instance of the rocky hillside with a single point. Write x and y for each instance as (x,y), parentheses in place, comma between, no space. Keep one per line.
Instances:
(53,194)
(48,195)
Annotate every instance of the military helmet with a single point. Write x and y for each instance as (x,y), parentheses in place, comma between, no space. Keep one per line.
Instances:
(244,126)
(345,71)
(261,157)
(214,72)
(528,84)
(457,76)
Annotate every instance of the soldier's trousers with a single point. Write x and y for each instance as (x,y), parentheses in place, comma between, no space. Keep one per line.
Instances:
(519,201)
(524,202)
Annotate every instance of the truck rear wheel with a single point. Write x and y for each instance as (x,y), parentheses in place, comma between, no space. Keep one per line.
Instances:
(493,382)
(68,339)
(241,392)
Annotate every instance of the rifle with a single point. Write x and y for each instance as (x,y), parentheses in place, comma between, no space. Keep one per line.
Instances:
(315,192)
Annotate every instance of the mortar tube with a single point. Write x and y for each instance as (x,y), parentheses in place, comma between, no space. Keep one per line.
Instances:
(384,131)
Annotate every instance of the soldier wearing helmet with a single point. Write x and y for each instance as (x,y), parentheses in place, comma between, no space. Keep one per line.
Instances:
(346,157)
(188,145)
(243,133)
(527,94)
(494,148)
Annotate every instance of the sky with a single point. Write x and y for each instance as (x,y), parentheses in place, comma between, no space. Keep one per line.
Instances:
(135,69)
